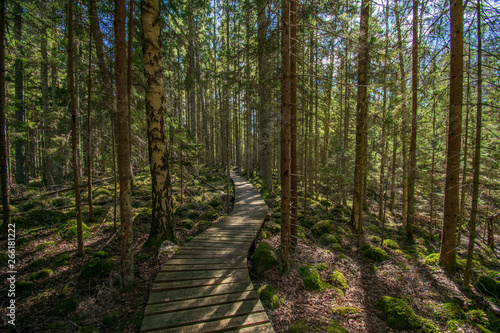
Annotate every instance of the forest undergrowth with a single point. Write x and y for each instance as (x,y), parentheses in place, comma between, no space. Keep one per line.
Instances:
(58,291)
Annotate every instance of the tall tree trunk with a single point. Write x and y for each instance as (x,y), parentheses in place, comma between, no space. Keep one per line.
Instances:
(447,256)
(21,177)
(74,131)
(265,139)
(477,152)
(89,131)
(191,81)
(44,85)
(162,226)
(413,138)
(347,109)
(293,125)
(433,158)
(123,120)
(3,138)
(285,137)
(361,121)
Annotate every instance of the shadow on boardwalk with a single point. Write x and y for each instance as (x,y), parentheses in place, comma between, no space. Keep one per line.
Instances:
(205,286)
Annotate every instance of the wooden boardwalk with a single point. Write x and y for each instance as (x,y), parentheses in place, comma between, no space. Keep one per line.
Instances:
(205,286)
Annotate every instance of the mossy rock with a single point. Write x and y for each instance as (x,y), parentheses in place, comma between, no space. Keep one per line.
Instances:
(327,239)
(112,318)
(335,327)
(102,192)
(23,288)
(300,327)
(344,310)
(322,227)
(268,296)
(487,257)
(274,228)
(336,247)
(400,315)
(62,260)
(338,280)
(186,224)
(39,217)
(96,268)
(101,255)
(418,250)
(210,214)
(460,325)
(479,317)
(312,280)
(375,254)
(322,266)
(310,221)
(68,231)
(143,217)
(432,259)
(390,244)
(62,202)
(191,205)
(44,246)
(446,311)
(375,239)
(65,307)
(36,263)
(44,273)
(488,285)
(204,224)
(264,258)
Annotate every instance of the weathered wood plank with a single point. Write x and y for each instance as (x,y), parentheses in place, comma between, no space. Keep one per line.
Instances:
(262,328)
(195,275)
(206,261)
(198,292)
(171,285)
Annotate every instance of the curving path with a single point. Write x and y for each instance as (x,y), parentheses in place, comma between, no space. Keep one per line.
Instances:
(205,286)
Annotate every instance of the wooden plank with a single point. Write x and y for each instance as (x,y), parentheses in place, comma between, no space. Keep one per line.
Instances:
(262,328)
(202,315)
(206,261)
(195,275)
(199,251)
(202,255)
(200,302)
(172,285)
(201,267)
(198,292)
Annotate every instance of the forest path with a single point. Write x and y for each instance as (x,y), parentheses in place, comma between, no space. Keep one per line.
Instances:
(205,286)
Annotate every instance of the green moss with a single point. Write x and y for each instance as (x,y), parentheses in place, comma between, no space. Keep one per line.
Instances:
(478,317)
(43,217)
(36,263)
(446,311)
(210,215)
(101,255)
(21,241)
(112,318)
(43,246)
(142,257)
(488,285)
(274,228)
(102,192)
(143,217)
(65,307)
(89,329)
(62,202)
(322,266)
(186,224)
(312,280)
(400,315)
(322,227)
(338,280)
(268,296)
(335,327)
(44,273)
(432,259)
(62,260)
(300,327)
(336,247)
(327,239)
(192,214)
(68,231)
(390,244)
(376,254)
(375,239)
(264,258)
(344,310)
(96,268)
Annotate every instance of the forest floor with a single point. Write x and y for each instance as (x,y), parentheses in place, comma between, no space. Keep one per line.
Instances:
(58,291)
(409,272)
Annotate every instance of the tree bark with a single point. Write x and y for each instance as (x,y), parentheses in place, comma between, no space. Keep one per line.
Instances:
(89,130)
(361,120)
(123,121)
(447,256)
(21,177)
(3,138)
(293,125)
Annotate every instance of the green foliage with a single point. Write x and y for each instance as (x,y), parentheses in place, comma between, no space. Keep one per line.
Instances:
(335,327)
(327,239)
(112,318)
(375,253)
(142,257)
(62,259)
(21,241)
(446,311)
(210,215)
(274,228)
(344,310)
(101,255)
(336,247)
(322,266)
(390,244)
(36,263)
(478,317)
(268,296)
(312,280)
(488,285)
(40,217)
(322,227)
(43,246)
(264,258)
(68,231)
(375,239)
(144,217)
(310,221)
(96,268)
(338,280)
(102,193)
(300,327)
(62,202)
(44,273)
(65,307)
(432,259)
(186,224)
(400,315)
